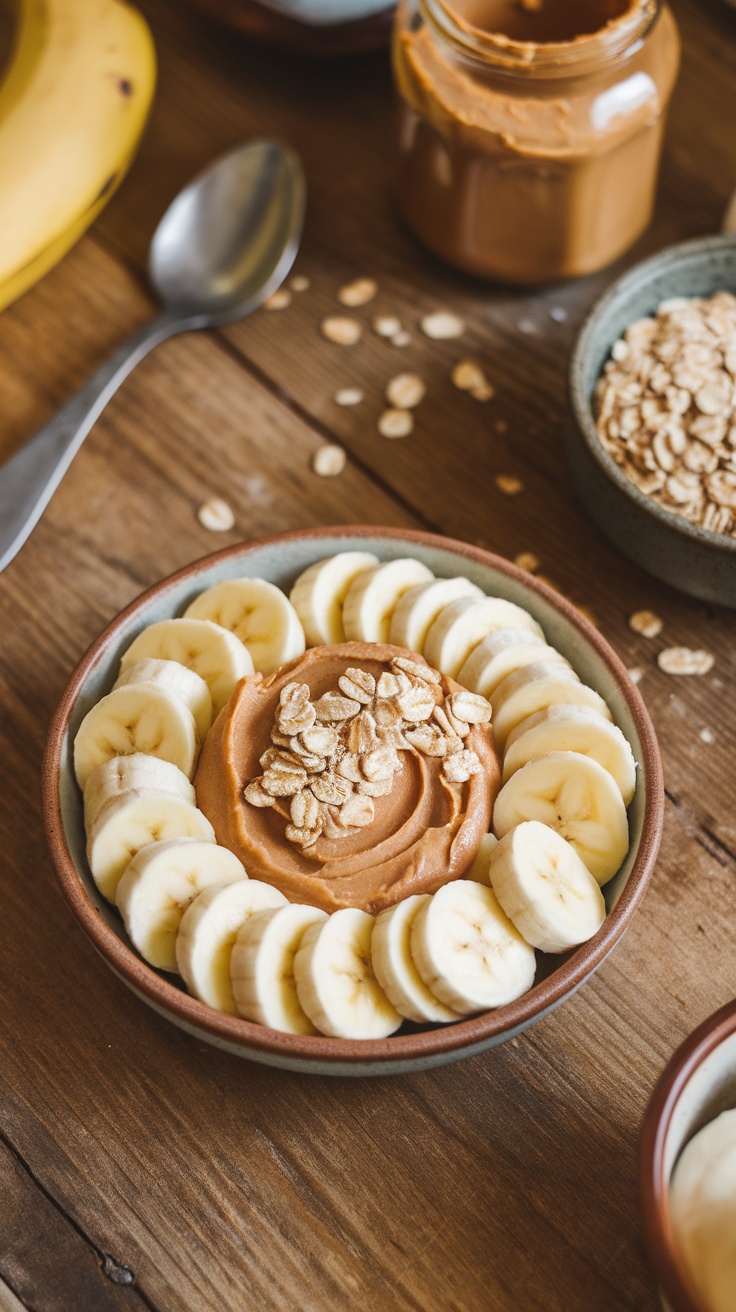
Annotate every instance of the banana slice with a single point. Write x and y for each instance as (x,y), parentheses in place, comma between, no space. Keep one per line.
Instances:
(177,679)
(468,952)
(394,964)
(545,889)
(335,981)
(419,607)
(536,687)
(319,593)
(374,596)
(576,796)
(207,934)
(573,729)
(142,717)
(123,774)
(158,886)
(133,820)
(479,872)
(501,653)
(262,967)
(463,624)
(211,651)
(703,1212)
(259,614)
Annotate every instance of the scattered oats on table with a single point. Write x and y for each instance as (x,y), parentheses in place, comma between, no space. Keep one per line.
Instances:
(299,283)
(707,736)
(396,423)
(442,325)
(527,560)
(509,484)
(386,325)
(349,396)
(329,460)
(405,391)
(646,623)
(278,300)
(683,660)
(216,515)
(401,338)
(358,292)
(636,674)
(341,330)
(666,408)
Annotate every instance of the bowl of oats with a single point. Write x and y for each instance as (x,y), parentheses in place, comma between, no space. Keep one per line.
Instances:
(652,433)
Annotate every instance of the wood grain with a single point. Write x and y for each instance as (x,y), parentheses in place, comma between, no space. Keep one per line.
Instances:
(508,1181)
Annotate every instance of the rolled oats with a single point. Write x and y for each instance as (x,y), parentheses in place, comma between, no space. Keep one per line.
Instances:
(278,300)
(386,325)
(329,460)
(471,708)
(330,759)
(683,660)
(442,325)
(331,788)
(646,623)
(216,515)
(666,408)
(341,330)
(349,396)
(395,423)
(405,391)
(359,685)
(357,812)
(509,484)
(358,292)
(461,767)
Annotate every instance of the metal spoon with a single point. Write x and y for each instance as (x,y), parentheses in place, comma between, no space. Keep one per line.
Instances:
(222,247)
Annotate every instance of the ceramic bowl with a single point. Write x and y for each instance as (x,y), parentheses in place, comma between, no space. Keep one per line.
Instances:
(698,1084)
(281,559)
(693,559)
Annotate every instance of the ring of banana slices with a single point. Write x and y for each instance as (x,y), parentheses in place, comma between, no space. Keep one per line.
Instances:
(559,826)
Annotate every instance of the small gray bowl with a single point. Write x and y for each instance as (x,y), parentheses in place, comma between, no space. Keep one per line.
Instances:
(693,559)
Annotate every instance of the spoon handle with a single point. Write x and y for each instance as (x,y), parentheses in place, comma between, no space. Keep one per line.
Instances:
(30,478)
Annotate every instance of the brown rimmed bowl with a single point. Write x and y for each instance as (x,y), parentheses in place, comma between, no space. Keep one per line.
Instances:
(698,1084)
(689,557)
(281,559)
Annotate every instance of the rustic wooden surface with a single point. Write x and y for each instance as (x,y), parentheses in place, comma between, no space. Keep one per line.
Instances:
(140,1169)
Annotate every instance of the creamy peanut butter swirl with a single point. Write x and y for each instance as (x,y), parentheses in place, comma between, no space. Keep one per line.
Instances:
(356,776)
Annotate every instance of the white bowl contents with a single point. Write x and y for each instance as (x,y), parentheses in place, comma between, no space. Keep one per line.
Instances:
(703,1212)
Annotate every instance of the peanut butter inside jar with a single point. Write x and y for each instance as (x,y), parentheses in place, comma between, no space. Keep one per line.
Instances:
(531,130)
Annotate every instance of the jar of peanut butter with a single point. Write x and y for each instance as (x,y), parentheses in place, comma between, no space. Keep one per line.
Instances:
(531,130)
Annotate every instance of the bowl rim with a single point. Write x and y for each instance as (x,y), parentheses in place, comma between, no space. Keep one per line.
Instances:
(653,1180)
(583,412)
(427,1044)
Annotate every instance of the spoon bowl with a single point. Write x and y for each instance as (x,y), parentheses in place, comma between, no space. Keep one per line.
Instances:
(229,238)
(222,247)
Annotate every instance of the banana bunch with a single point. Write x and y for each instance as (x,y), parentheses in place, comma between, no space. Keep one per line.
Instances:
(73,105)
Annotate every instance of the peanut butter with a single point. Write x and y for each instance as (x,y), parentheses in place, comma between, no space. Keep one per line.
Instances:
(531,130)
(426,816)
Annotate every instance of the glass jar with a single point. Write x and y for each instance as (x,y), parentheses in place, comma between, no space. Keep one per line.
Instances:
(531,130)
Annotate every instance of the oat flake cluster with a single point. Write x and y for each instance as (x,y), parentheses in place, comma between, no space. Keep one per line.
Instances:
(331,757)
(667,408)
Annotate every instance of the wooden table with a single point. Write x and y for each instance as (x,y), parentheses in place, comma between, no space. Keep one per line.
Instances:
(139,1168)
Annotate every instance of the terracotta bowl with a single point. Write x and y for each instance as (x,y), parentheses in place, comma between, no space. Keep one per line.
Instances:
(698,1084)
(687,556)
(280,559)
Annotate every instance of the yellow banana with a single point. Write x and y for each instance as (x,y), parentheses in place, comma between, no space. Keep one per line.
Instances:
(73,105)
